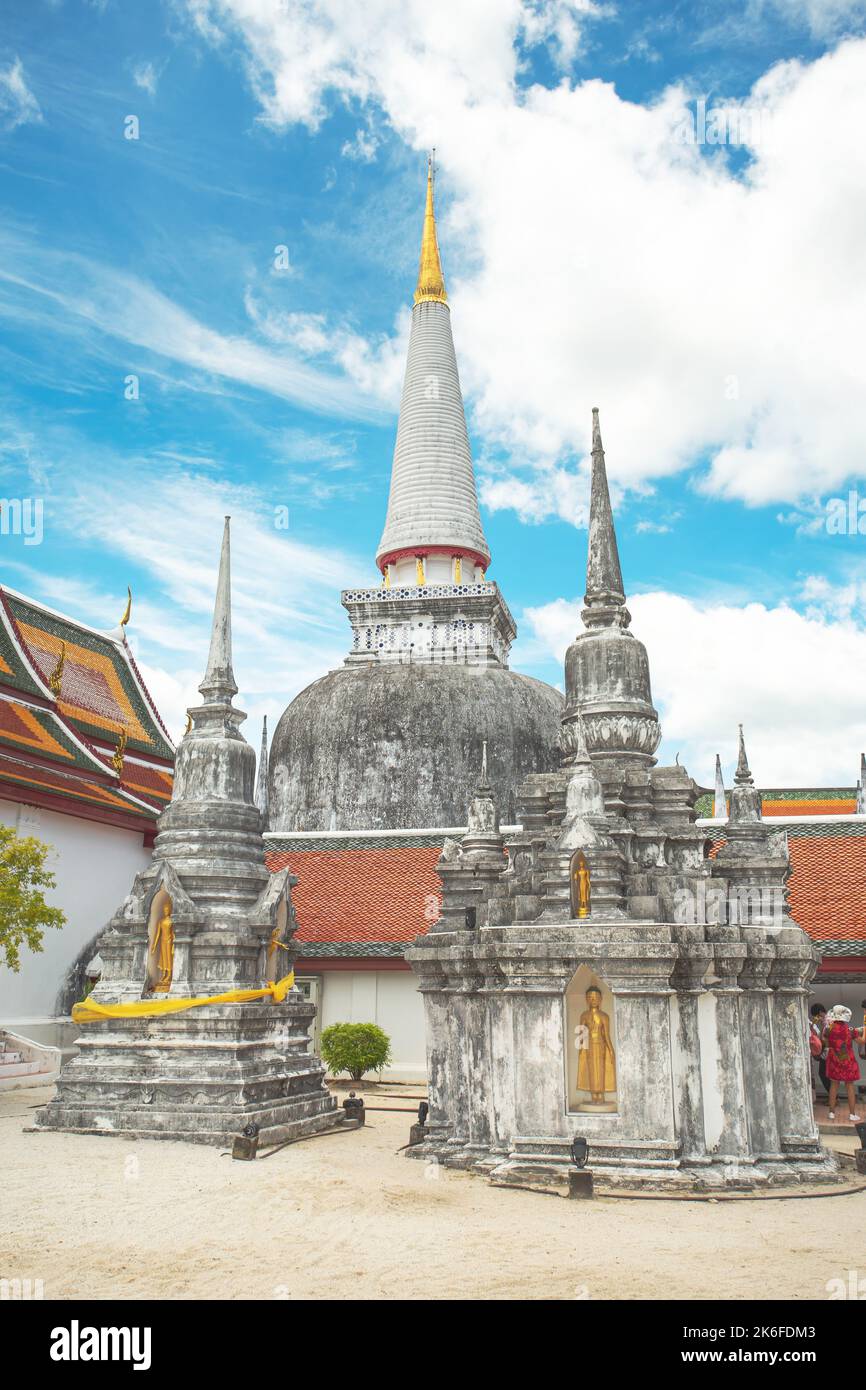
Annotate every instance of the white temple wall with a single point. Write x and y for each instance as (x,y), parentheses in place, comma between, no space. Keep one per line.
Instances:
(389,998)
(94,865)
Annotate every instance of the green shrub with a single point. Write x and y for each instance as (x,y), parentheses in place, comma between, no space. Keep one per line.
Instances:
(355,1048)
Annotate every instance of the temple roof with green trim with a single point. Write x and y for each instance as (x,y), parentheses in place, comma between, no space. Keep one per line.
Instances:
(72,703)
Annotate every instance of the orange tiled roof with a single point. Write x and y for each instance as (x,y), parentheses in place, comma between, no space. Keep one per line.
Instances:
(101,692)
(363,895)
(24,776)
(360,895)
(828,886)
(811,806)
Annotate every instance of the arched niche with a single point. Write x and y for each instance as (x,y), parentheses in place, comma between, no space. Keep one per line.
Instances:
(582,1037)
(160,899)
(581,885)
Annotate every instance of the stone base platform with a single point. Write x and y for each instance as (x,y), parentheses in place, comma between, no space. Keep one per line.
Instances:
(200,1076)
(547,1169)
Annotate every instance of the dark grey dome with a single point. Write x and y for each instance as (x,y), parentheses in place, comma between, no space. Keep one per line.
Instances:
(399,746)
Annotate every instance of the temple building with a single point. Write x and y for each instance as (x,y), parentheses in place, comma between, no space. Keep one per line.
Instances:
(86,766)
(371,764)
(373,767)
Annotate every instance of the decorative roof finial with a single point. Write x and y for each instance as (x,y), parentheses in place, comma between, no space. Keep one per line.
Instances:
(605,595)
(431,281)
(56,678)
(218,685)
(720,805)
(128,609)
(861,787)
(117,756)
(261,797)
(743,776)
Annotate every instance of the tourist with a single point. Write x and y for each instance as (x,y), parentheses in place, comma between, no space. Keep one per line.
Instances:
(817,1045)
(842,1064)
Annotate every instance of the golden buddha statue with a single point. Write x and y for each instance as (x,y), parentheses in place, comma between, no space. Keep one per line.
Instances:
(162,951)
(596,1067)
(580,885)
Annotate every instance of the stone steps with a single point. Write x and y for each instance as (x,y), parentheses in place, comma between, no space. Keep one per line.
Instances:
(23,1061)
(10,1067)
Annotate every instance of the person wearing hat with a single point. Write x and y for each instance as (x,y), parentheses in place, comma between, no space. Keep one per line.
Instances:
(842,1064)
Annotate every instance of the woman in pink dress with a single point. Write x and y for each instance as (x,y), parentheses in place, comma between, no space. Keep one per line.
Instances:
(842,1064)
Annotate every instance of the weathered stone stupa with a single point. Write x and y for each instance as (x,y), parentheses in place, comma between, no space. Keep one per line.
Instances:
(204,919)
(598,975)
(392,738)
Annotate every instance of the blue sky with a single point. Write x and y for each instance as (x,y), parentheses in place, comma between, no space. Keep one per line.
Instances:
(709,297)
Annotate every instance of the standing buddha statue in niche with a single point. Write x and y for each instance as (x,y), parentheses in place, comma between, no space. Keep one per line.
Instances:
(162,950)
(596,1067)
(580,885)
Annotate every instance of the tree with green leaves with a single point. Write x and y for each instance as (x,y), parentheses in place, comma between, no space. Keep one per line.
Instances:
(355,1048)
(24,914)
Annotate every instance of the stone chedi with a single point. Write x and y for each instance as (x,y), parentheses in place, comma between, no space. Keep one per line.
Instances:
(393,738)
(204,919)
(598,975)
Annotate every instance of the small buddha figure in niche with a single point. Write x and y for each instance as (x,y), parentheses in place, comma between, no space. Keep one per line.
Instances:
(596,1067)
(162,951)
(580,885)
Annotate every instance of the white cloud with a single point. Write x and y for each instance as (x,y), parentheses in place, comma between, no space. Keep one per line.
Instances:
(18,105)
(375,366)
(823,18)
(794,680)
(363,148)
(287,621)
(146,77)
(97,297)
(710,314)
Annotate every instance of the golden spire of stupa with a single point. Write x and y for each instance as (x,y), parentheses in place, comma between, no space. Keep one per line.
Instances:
(431,281)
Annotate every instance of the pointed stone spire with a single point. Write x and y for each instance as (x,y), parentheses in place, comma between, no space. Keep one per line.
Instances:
(605,594)
(433,518)
(607,677)
(746,803)
(431,281)
(262,775)
(211,831)
(743,776)
(861,787)
(218,685)
(720,805)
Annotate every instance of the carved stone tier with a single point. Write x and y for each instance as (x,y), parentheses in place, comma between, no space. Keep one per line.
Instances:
(463,623)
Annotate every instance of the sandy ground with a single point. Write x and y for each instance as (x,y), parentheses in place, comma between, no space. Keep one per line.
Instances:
(347,1217)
